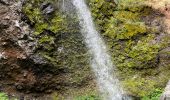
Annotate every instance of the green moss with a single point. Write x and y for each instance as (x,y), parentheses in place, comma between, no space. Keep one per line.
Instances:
(137,55)
(131,42)
(126,15)
(130,30)
(56,22)
(34,14)
(155,95)
(69,54)
(46,39)
(87,94)
(131,5)
(90,97)
(139,86)
(56,96)
(40,27)
(60,43)
(142,48)
(51,59)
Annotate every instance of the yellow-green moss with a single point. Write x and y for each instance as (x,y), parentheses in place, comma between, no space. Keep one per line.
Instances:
(47,39)
(137,55)
(131,42)
(139,86)
(131,5)
(40,27)
(57,22)
(126,15)
(59,42)
(34,14)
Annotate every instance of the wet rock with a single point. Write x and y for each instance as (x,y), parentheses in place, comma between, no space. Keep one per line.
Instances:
(130,97)
(28,46)
(44,5)
(2,56)
(21,98)
(18,86)
(4,24)
(47,8)
(164,56)
(38,59)
(5,2)
(166,94)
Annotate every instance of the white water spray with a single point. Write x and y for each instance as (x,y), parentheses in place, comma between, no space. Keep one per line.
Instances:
(101,61)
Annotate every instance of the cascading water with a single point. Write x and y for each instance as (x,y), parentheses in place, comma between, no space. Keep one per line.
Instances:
(101,61)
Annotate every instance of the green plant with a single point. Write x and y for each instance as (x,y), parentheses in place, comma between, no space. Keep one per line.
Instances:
(3,96)
(139,86)
(89,97)
(155,95)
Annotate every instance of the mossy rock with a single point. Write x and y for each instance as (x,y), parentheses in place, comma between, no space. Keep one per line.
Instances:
(60,43)
(132,43)
(129,38)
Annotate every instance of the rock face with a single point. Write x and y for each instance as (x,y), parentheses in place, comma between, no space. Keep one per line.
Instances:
(16,47)
(47,8)
(42,51)
(29,63)
(166,94)
(137,34)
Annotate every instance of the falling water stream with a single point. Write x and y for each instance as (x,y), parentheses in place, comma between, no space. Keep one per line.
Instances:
(101,61)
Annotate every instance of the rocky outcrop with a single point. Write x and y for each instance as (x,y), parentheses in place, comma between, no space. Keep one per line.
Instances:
(16,48)
(37,64)
(137,34)
(42,51)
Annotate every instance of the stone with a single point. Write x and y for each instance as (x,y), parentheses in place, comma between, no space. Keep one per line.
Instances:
(2,56)
(166,93)
(47,8)
(38,59)
(44,5)
(4,25)
(5,2)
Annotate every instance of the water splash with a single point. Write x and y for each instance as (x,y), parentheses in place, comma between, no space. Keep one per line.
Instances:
(101,61)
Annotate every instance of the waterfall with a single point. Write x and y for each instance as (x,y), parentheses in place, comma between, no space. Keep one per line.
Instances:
(101,61)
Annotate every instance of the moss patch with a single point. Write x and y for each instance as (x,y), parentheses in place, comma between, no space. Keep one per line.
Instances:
(61,44)
(132,42)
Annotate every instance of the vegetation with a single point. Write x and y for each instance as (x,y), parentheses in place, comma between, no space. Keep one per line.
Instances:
(56,23)
(155,95)
(59,42)
(3,96)
(91,97)
(131,41)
